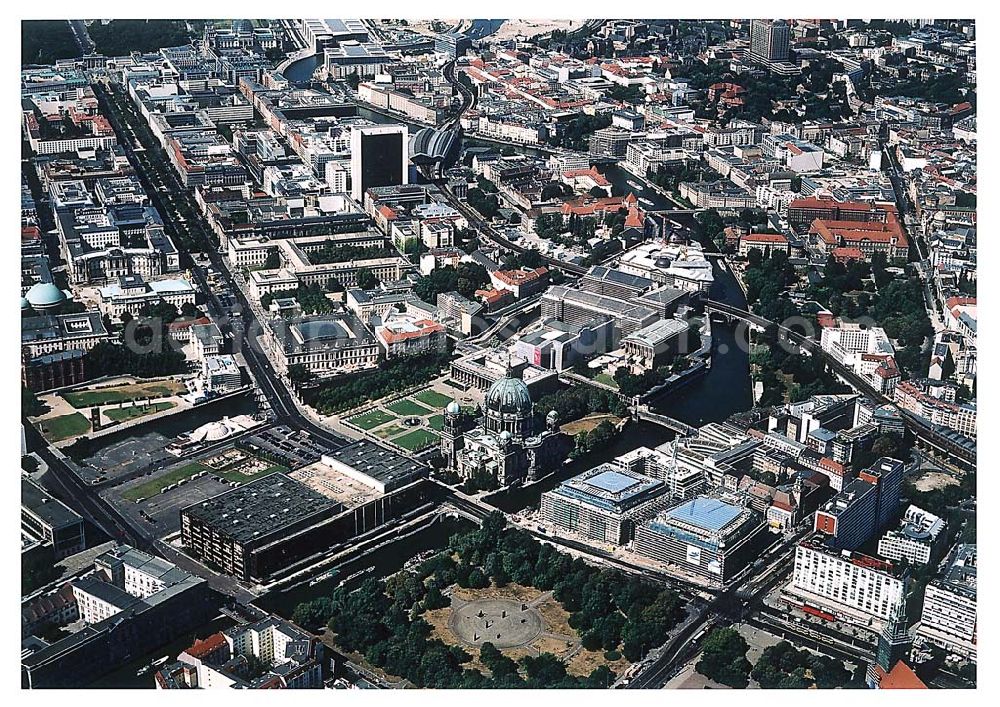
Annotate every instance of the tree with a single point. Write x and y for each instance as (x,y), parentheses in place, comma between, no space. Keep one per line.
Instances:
(299,374)
(886,446)
(367,279)
(273,261)
(353,80)
(31,406)
(724,659)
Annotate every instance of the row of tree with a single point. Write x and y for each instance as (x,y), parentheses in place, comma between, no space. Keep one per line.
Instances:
(392,375)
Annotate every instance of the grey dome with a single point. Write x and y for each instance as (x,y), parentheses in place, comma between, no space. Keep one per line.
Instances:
(509,395)
(453,408)
(553,416)
(44,294)
(506,436)
(25,304)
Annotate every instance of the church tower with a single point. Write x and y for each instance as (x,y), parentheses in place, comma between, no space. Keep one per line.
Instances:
(894,644)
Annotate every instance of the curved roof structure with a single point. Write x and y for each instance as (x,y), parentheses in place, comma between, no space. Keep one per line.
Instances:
(44,294)
(431,145)
(509,395)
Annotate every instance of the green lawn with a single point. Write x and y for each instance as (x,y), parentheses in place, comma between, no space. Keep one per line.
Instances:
(154,486)
(56,429)
(416,440)
(407,408)
(436,422)
(240,477)
(432,398)
(388,431)
(122,393)
(134,411)
(606,379)
(372,419)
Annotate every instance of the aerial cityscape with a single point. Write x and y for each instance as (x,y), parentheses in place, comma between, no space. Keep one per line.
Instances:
(605,354)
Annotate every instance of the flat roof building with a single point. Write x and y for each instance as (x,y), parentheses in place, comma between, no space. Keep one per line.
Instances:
(49,521)
(603,503)
(705,536)
(225,530)
(374,465)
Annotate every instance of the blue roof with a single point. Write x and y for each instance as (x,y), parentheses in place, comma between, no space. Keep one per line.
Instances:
(707,513)
(612,481)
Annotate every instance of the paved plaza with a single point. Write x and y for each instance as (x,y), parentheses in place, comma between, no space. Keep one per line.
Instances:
(505,623)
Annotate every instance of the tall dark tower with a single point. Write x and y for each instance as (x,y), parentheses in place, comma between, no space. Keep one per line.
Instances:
(452,434)
(894,645)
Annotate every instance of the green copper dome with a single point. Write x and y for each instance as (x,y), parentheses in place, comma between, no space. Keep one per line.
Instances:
(45,294)
(509,395)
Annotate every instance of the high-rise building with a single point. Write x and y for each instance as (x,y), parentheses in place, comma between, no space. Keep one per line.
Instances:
(378,158)
(852,586)
(864,506)
(949,612)
(769,39)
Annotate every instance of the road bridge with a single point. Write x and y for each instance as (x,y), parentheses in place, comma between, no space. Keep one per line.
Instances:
(642,412)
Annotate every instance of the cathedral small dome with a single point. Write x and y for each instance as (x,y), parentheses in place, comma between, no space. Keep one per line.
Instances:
(453,408)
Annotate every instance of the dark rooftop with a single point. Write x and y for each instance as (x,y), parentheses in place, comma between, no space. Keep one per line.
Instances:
(262,507)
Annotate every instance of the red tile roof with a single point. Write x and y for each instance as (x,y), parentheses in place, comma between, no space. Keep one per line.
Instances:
(202,648)
(901,677)
(765,238)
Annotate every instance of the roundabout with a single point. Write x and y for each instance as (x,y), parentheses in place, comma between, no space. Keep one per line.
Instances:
(506,623)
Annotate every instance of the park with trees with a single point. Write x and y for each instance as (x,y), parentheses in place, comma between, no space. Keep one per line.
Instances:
(383,619)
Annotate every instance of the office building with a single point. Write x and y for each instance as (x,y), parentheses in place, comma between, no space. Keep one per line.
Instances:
(704,536)
(378,158)
(949,614)
(603,503)
(291,659)
(918,537)
(221,373)
(769,39)
(132,604)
